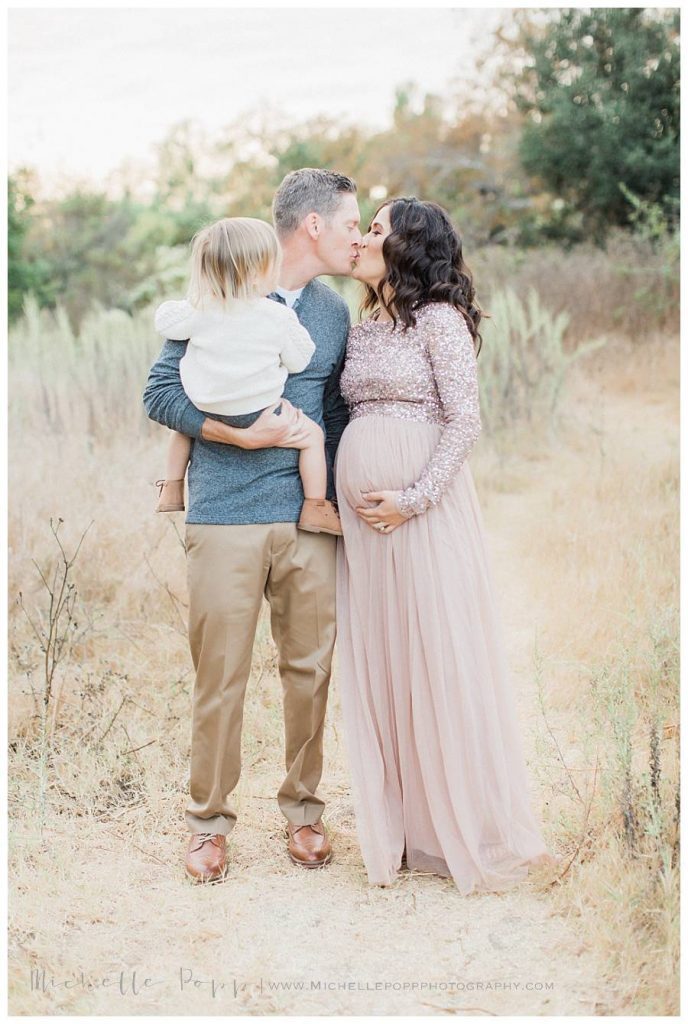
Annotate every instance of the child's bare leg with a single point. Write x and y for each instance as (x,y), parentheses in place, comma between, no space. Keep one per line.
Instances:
(178,454)
(172,488)
(318,515)
(312,461)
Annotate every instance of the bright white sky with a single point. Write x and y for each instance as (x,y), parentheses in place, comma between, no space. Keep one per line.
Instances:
(90,88)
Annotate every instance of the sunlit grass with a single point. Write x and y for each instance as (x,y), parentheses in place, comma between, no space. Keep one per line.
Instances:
(588,516)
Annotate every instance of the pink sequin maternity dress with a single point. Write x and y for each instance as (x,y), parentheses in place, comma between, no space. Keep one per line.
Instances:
(432,735)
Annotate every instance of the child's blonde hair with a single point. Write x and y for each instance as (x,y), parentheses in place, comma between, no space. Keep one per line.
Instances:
(227,258)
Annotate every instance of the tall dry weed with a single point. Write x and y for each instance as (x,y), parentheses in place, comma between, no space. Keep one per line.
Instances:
(590,515)
(603,582)
(630,289)
(524,362)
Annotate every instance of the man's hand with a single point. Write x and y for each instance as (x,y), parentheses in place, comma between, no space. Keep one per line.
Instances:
(268,431)
(284,431)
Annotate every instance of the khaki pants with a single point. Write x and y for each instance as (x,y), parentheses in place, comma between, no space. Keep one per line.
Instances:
(230,568)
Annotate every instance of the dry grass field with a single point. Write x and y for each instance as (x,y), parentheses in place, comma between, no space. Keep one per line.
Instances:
(582,516)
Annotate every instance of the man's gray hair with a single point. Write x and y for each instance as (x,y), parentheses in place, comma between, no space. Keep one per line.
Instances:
(308,190)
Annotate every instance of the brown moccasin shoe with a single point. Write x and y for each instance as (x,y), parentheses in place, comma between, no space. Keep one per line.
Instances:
(320,516)
(309,845)
(206,857)
(171,498)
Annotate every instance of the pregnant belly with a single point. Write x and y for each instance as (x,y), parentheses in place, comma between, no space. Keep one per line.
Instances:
(381,453)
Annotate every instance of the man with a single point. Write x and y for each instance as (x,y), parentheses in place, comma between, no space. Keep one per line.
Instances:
(242,543)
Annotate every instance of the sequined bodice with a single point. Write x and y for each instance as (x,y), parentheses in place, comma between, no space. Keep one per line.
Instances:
(427,374)
(389,373)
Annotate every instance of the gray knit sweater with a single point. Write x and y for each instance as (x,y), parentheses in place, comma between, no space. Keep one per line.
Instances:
(230,485)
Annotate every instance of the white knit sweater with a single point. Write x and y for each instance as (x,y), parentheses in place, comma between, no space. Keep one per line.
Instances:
(239,356)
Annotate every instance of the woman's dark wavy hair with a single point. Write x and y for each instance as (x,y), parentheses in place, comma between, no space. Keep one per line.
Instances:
(424,263)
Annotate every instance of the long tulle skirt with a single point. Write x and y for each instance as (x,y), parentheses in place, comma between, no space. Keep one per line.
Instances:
(436,760)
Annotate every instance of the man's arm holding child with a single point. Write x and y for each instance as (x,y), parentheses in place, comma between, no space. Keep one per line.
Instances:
(166,402)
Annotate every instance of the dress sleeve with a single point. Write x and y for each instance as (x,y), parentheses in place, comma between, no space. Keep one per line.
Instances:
(298,347)
(174,319)
(453,361)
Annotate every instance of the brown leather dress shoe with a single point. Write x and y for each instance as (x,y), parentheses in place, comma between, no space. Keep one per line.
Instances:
(309,846)
(206,857)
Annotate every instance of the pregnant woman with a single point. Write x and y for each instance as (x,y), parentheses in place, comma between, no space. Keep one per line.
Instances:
(438,770)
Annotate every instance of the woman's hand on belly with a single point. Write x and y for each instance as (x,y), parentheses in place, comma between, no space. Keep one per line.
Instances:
(385,513)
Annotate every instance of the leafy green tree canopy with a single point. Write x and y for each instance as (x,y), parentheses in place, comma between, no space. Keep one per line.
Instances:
(601,95)
(23,274)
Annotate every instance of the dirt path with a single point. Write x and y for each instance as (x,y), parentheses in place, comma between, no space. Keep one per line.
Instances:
(272,940)
(275,939)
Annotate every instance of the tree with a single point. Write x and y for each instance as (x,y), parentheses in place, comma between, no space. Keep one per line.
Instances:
(601,98)
(23,275)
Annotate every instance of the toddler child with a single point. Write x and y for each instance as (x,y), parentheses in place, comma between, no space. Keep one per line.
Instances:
(241,348)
